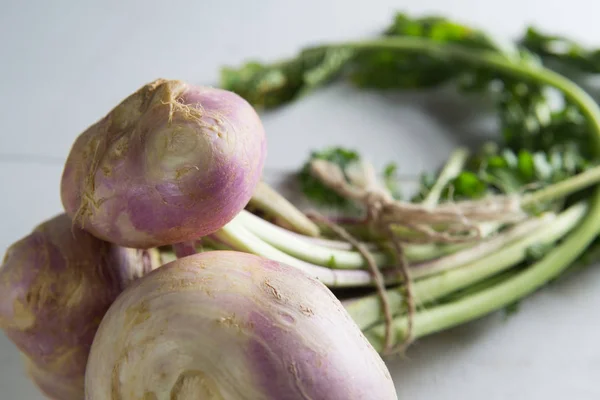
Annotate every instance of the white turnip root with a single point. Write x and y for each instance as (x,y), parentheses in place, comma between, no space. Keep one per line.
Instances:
(231,325)
(171,163)
(56,284)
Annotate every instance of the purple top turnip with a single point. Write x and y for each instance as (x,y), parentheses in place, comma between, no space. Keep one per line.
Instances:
(171,163)
(56,285)
(231,325)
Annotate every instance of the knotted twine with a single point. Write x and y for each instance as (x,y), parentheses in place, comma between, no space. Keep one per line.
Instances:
(449,222)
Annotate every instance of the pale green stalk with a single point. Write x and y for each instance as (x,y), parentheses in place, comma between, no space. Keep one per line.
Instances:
(367,310)
(451,170)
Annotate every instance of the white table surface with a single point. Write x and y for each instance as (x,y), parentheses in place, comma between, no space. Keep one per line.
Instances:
(63,64)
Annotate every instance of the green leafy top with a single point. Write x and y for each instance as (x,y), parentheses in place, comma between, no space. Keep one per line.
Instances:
(496,170)
(525,109)
(562,50)
(387,69)
(273,85)
(269,86)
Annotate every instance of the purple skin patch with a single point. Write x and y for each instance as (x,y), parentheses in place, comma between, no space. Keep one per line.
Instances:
(305,372)
(162,178)
(316,354)
(280,378)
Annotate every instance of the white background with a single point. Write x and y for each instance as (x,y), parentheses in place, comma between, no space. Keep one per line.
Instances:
(63,64)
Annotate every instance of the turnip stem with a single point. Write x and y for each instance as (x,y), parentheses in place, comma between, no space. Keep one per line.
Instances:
(551,230)
(453,167)
(441,258)
(563,188)
(367,310)
(325,242)
(343,258)
(274,204)
(238,237)
(472,307)
(295,246)
(482,249)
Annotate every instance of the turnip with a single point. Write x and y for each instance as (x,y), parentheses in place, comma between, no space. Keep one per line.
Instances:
(171,163)
(56,285)
(231,325)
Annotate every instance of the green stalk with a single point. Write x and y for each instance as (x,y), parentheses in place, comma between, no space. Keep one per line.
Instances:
(429,251)
(235,235)
(297,247)
(304,250)
(480,286)
(501,295)
(274,204)
(517,232)
(367,311)
(437,286)
(451,170)
(563,188)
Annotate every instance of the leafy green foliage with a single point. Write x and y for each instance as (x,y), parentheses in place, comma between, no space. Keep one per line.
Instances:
(509,172)
(562,50)
(272,85)
(269,86)
(386,69)
(493,170)
(531,117)
(496,170)
(263,85)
